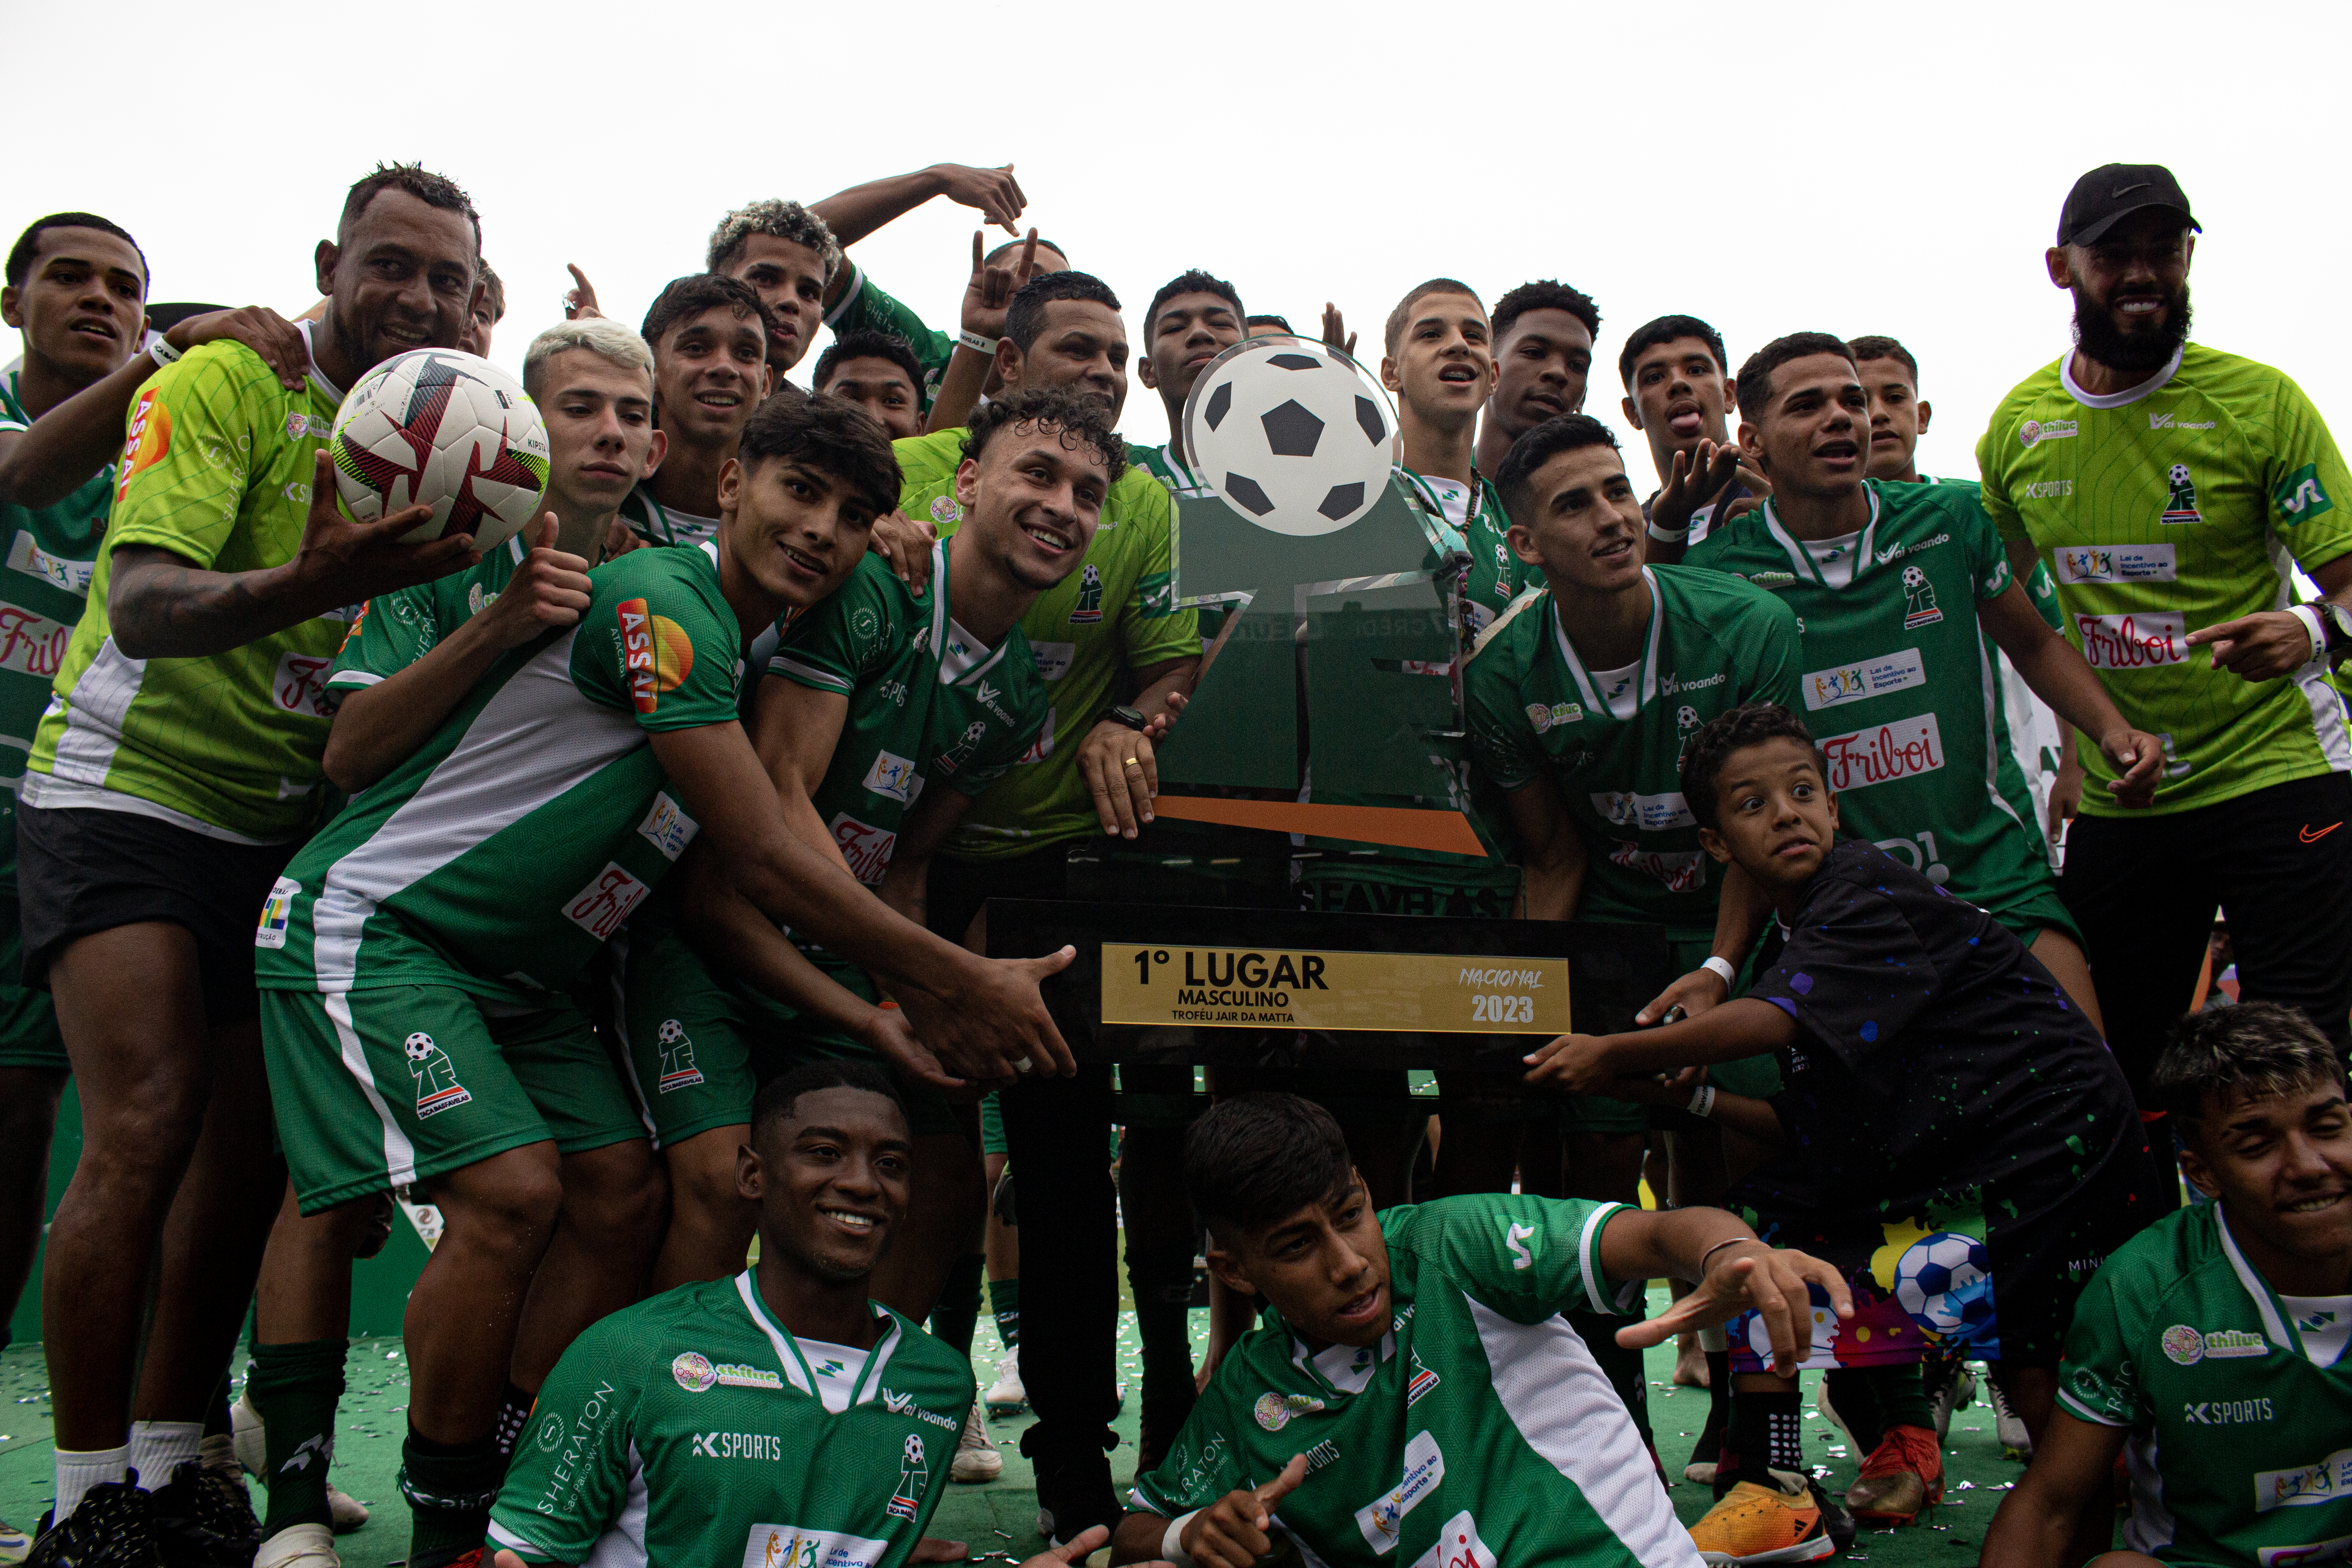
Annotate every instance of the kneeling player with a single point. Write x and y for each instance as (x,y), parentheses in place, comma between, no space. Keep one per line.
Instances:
(779,1416)
(1419,1354)
(2210,1349)
(415,956)
(1957,1116)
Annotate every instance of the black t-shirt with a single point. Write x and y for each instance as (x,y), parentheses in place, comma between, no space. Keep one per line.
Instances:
(1940,1060)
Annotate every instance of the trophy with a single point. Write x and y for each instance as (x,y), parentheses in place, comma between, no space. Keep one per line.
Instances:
(1326,720)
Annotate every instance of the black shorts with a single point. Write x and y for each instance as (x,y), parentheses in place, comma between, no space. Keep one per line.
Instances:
(80,870)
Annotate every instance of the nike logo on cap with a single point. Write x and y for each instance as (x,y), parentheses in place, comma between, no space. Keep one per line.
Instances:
(2126,190)
(2308,836)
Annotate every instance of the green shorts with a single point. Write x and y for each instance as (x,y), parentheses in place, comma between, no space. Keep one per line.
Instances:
(699,1047)
(2044,910)
(29,1018)
(391,1087)
(991,1126)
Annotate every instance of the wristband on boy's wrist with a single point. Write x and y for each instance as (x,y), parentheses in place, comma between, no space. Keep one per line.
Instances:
(976,344)
(1171,1544)
(1668,535)
(1702,1100)
(1721,969)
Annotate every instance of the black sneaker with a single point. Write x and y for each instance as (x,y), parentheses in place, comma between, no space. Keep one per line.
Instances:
(113,1527)
(1835,1517)
(205,1519)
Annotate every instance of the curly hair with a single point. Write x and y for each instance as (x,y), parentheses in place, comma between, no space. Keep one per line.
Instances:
(784,219)
(1544,294)
(1079,419)
(1749,724)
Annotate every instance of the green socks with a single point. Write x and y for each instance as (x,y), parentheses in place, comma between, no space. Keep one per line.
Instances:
(1004,1301)
(295,1388)
(1902,1397)
(957,1317)
(449,1489)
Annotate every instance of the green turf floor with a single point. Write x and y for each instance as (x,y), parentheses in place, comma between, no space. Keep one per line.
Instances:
(1001,1516)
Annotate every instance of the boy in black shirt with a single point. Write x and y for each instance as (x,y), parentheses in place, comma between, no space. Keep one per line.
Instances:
(1956,1120)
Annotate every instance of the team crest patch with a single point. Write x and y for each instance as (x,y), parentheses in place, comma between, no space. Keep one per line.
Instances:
(914,1479)
(957,755)
(437,1089)
(694,1372)
(1090,597)
(1424,1380)
(1918,600)
(678,1069)
(2180,497)
(945,510)
(2184,1344)
(2035,431)
(276,913)
(1273,1410)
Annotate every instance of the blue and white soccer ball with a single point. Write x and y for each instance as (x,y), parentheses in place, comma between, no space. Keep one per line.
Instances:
(1291,434)
(1945,1281)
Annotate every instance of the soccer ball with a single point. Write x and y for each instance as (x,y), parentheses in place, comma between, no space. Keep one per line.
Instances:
(1913,576)
(445,429)
(1945,1281)
(671,1031)
(1290,435)
(2179,473)
(418,1047)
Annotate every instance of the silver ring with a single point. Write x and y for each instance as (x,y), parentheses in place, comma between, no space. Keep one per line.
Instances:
(1025,1065)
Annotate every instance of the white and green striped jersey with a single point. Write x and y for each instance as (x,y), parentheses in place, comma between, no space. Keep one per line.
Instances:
(695,1429)
(1480,1430)
(394,630)
(2239,1405)
(1899,687)
(1612,740)
(507,848)
(50,553)
(1162,464)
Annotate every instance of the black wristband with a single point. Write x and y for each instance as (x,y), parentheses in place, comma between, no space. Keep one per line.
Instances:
(1120,713)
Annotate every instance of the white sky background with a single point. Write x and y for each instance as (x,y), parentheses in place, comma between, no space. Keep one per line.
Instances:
(1888,168)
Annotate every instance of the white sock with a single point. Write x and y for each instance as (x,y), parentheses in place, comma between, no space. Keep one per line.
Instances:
(78,1472)
(159,1448)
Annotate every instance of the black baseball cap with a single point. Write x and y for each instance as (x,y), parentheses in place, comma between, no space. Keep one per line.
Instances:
(2111,192)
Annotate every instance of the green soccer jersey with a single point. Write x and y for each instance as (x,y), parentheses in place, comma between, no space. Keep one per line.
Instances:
(1612,740)
(394,630)
(864,305)
(928,702)
(1471,521)
(503,852)
(1899,687)
(2238,1414)
(657,524)
(1115,615)
(2178,504)
(1479,1429)
(50,553)
(1162,464)
(215,468)
(695,1429)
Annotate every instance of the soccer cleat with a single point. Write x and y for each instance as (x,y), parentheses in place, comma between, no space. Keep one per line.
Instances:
(300,1546)
(2016,1440)
(251,1445)
(113,1527)
(1754,1523)
(1950,1387)
(976,1459)
(1903,1475)
(1834,1517)
(14,1544)
(1005,1395)
(205,1519)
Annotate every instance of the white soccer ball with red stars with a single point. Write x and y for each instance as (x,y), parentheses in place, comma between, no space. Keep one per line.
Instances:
(448,430)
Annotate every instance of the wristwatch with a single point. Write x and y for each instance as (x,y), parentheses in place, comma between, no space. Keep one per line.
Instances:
(1120,713)
(2336,626)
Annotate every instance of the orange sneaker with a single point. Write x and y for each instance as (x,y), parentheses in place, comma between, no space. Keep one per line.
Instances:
(1760,1524)
(1903,1475)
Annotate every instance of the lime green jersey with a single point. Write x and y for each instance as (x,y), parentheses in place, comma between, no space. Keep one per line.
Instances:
(1090,633)
(1900,688)
(864,305)
(2178,504)
(694,1429)
(51,551)
(2238,1399)
(1611,742)
(215,468)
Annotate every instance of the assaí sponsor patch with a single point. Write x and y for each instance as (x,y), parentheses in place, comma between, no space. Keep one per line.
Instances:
(656,653)
(146,438)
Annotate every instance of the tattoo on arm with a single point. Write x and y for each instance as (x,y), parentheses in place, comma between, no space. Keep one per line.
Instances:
(163,605)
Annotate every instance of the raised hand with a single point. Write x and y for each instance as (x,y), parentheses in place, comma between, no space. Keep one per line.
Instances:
(995,192)
(906,543)
(550,589)
(1775,1281)
(2259,647)
(356,561)
(1336,334)
(990,293)
(1693,477)
(580,299)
